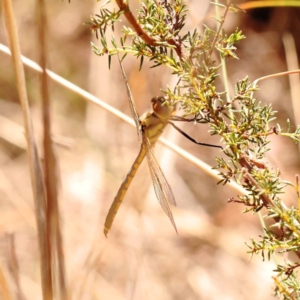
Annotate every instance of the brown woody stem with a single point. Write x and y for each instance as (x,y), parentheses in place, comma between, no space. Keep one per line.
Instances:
(139,30)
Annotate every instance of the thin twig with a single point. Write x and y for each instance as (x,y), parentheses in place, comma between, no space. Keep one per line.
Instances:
(219,29)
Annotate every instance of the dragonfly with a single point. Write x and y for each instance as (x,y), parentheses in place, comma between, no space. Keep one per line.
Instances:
(149,127)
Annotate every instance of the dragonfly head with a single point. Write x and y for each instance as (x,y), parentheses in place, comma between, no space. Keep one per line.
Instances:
(161,108)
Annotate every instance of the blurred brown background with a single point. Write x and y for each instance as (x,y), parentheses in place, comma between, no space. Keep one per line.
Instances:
(142,258)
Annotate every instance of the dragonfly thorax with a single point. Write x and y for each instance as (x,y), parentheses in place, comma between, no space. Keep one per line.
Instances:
(161,109)
(154,121)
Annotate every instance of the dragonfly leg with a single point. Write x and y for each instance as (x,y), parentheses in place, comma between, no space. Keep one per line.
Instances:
(193,140)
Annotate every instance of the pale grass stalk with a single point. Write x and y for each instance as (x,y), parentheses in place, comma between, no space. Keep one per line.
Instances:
(187,156)
(276,75)
(292,63)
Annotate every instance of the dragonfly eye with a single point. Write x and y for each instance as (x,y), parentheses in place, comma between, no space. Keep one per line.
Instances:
(161,107)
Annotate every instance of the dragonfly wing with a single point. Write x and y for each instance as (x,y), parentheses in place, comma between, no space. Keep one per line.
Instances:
(131,104)
(161,186)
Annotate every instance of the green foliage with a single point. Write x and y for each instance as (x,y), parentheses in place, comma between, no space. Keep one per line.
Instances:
(287,283)
(243,122)
(105,18)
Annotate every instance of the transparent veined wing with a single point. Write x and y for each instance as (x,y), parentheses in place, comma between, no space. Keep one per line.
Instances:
(161,186)
(132,105)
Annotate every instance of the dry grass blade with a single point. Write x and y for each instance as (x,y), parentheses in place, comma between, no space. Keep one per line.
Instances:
(50,160)
(14,266)
(34,164)
(269,3)
(4,290)
(293,63)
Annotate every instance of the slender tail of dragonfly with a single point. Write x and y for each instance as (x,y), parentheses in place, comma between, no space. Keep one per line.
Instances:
(122,190)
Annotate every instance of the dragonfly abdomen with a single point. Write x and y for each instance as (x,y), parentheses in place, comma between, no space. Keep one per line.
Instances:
(122,190)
